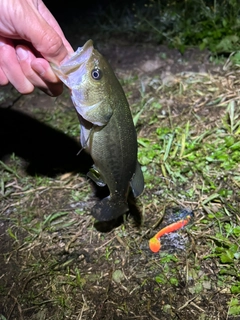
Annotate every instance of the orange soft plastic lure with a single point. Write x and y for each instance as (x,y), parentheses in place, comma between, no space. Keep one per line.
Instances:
(155,244)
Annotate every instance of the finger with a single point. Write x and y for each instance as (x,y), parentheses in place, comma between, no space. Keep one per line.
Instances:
(47,15)
(3,78)
(44,38)
(11,68)
(43,69)
(47,41)
(52,85)
(38,72)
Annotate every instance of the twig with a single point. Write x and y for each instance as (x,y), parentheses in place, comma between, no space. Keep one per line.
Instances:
(196,306)
(155,318)
(156,223)
(122,242)
(82,310)
(73,239)
(104,244)
(45,188)
(19,308)
(185,304)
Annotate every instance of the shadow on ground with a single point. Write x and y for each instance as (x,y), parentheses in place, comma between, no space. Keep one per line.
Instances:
(46,150)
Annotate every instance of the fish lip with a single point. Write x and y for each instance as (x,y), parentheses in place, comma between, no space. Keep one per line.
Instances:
(77,58)
(73,63)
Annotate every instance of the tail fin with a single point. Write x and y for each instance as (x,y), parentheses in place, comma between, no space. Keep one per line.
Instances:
(109,208)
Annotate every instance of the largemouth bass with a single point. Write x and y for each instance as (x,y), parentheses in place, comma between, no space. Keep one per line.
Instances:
(107,129)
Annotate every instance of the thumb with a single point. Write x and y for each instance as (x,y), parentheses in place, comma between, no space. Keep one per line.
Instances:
(47,41)
(44,32)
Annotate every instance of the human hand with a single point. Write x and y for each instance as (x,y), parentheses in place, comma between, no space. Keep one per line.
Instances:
(30,38)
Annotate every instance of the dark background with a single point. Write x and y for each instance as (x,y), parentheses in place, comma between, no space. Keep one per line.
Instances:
(65,11)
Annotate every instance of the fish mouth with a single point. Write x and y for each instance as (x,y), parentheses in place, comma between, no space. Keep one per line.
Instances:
(67,68)
(77,58)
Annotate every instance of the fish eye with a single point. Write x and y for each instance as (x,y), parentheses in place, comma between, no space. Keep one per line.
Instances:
(96,74)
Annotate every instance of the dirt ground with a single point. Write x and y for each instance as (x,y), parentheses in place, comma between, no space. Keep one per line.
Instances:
(56,261)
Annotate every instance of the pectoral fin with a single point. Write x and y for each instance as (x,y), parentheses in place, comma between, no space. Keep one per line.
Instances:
(137,182)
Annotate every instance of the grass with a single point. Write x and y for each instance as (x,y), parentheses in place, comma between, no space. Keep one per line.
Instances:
(208,24)
(59,264)
(190,160)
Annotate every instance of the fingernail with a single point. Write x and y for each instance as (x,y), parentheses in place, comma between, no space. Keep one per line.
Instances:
(21,53)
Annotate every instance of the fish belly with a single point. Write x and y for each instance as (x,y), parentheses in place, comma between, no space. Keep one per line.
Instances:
(114,152)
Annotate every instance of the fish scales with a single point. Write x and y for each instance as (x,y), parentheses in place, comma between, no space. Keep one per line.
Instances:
(121,155)
(107,129)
